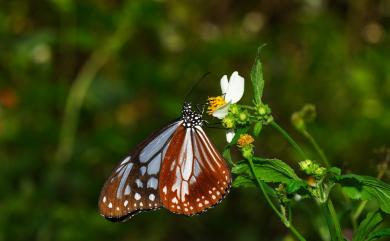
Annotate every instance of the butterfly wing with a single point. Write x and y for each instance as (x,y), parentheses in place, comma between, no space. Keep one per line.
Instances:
(194,176)
(133,185)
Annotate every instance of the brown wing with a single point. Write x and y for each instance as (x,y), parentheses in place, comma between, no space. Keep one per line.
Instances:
(194,175)
(133,185)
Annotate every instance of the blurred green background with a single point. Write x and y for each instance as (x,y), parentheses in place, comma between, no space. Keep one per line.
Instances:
(141,57)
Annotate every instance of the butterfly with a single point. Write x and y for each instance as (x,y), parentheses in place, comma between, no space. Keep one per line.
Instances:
(177,168)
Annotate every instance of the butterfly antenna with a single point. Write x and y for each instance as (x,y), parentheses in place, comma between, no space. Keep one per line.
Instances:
(195,85)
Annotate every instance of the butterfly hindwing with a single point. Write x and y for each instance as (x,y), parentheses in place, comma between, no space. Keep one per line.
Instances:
(194,176)
(133,185)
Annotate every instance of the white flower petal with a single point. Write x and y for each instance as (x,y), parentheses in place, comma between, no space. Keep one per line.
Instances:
(224,84)
(229,135)
(235,90)
(222,111)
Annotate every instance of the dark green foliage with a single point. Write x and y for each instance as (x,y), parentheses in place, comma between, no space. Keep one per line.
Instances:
(366,188)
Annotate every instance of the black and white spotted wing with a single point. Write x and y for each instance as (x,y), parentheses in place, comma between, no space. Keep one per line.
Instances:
(133,185)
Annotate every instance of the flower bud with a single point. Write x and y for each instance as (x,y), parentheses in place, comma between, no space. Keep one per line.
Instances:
(228,122)
(308,112)
(305,165)
(297,121)
(234,109)
(320,171)
(243,117)
(247,151)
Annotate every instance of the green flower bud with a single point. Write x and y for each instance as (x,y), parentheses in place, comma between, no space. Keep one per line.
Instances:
(228,122)
(247,151)
(320,171)
(263,110)
(308,112)
(263,114)
(234,109)
(297,121)
(243,117)
(305,165)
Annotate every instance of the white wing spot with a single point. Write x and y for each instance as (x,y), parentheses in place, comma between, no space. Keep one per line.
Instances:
(174,200)
(117,208)
(210,192)
(206,202)
(137,196)
(135,205)
(127,190)
(152,182)
(139,183)
(142,170)
(125,203)
(213,197)
(218,193)
(152,197)
(104,199)
(165,190)
(191,207)
(200,205)
(141,204)
(110,205)
(186,209)
(197,199)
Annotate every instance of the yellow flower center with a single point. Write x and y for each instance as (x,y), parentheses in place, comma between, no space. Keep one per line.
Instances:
(245,140)
(215,103)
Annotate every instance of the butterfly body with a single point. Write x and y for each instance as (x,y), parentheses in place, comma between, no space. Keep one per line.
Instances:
(177,168)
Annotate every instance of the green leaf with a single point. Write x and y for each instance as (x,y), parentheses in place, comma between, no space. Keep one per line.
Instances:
(366,188)
(367,226)
(297,186)
(257,77)
(335,171)
(243,181)
(384,232)
(268,170)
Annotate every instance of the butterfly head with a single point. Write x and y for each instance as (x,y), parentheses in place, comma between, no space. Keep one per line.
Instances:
(190,117)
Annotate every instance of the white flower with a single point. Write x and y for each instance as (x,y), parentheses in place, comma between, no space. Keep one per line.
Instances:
(232,92)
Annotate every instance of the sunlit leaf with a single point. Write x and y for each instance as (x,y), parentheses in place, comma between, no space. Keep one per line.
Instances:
(268,170)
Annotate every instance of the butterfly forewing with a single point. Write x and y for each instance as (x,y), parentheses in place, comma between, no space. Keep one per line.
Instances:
(133,185)
(194,176)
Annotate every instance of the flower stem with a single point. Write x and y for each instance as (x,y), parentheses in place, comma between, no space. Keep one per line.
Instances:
(289,139)
(286,222)
(332,221)
(320,152)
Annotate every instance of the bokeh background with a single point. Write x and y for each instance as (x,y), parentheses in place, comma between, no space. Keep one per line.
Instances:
(129,65)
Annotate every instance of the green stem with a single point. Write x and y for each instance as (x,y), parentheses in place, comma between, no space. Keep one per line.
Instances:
(320,152)
(332,221)
(269,201)
(289,139)
(84,80)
